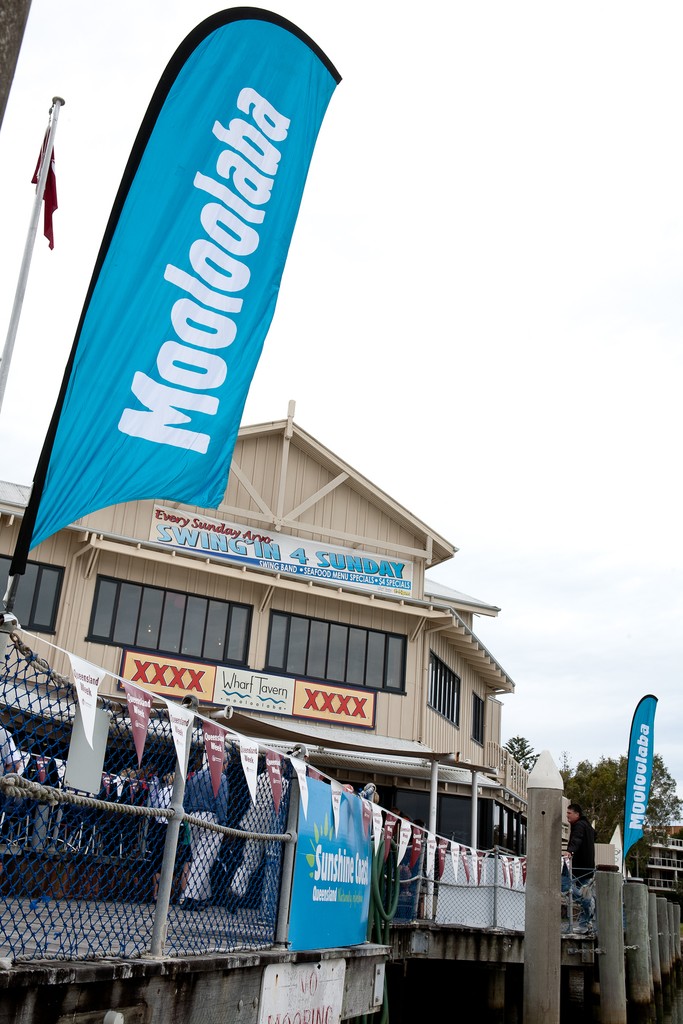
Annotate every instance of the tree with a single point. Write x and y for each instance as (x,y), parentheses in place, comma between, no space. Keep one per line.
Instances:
(522,751)
(600,789)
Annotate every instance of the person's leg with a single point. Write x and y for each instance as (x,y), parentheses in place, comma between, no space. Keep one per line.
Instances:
(584,896)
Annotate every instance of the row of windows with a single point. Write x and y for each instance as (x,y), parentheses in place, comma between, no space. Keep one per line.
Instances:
(444,696)
(301,646)
(136,615)
(171,622)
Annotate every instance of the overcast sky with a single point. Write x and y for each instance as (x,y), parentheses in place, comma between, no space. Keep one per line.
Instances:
(481,310)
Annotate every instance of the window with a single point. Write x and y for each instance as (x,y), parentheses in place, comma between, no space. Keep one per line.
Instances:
(316,649)
(134,615)
(444,689)
(477,718)
(37,595)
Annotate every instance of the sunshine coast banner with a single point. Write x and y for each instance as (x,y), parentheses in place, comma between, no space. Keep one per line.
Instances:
(187,277)
(639,770)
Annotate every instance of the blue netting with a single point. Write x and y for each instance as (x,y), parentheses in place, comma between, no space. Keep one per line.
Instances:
(80,870)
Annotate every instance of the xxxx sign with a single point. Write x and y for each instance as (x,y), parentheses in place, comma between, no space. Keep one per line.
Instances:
(336,705)
(173,677)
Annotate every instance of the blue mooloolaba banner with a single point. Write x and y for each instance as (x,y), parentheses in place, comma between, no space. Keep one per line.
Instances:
(332,873)
(187,277)
(639,770)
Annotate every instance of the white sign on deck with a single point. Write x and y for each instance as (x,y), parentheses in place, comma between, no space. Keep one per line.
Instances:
(303,993)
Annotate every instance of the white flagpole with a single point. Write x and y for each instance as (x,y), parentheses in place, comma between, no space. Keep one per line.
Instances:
(57,102)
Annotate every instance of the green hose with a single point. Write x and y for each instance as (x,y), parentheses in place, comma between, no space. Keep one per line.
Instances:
(385,890)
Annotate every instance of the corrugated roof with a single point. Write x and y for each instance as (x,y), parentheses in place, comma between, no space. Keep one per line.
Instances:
(14,494)
(457,598)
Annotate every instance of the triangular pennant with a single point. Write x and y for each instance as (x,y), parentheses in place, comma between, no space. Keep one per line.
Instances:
(274,768)
(376,826)
(139,707)
(299,767)
(431,850)
(441,861)
(214,744)
(416,848)
(403,839)
(465,862)
(455,850)
(389,828)
(336,792)
(87,679)
(249,758)
(366,815)
(181,719)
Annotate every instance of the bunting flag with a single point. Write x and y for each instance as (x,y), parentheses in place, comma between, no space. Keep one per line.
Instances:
(274,769)
(181,720)
(639,770)
(214,744)
(455,860)
(87,679)
(517,871)
(50,193)
(465,862)
(389,828)
(442,846)
(431,851)
(336,793)
(403,839)
(249,759)
(299,767)
(187,277)
(366,814)
(376,826)
(139,708)
(416,847)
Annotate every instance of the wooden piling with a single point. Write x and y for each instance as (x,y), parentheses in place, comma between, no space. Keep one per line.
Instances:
(653,929)
(640,991)
(663,937)
(542,938)
(608,899)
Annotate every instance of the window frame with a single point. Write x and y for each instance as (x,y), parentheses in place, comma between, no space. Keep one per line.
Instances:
(392,659)
(449,686)
(183,641)
(42,568)
(478,706)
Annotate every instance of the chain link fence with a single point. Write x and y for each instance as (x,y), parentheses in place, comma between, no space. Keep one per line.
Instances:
(80,872)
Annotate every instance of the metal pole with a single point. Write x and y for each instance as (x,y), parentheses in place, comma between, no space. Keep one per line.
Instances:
(288,864)
(57,102)
(158,940)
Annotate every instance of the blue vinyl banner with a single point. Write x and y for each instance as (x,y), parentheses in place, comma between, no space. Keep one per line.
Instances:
(187,278)
(332,873)
(639,770)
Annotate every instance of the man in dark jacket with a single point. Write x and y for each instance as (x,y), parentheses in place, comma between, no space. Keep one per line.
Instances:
(581,845)
(581,861)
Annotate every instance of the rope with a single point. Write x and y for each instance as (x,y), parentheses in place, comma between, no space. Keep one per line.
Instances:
(19,788)
(28,655)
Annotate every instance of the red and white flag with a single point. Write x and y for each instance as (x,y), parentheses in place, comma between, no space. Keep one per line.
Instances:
(50,193)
